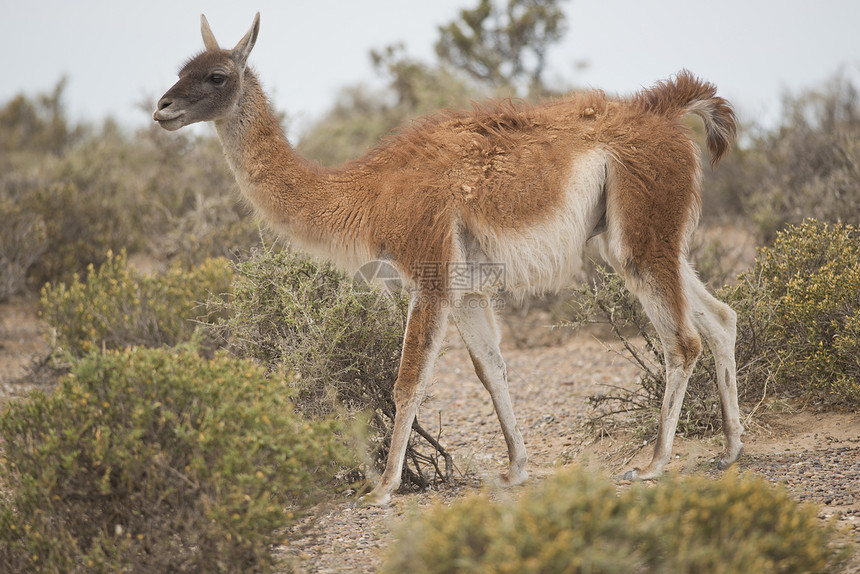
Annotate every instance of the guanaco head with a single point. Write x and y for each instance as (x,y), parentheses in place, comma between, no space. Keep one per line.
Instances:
(209,85)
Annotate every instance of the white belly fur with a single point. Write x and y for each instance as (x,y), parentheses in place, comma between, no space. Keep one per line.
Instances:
(546,257)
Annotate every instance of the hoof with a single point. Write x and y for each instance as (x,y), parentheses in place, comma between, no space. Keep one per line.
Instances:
(374,498)
(726,462)
(511,479)
(639,474)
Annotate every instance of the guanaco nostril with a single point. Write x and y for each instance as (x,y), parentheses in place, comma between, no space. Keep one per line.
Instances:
(162,104)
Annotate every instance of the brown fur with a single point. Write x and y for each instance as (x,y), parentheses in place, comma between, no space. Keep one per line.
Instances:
(470,164)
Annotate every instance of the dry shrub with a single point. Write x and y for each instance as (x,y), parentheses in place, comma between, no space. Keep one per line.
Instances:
(91,190)
(807,166)
(156,460)
(575,522)
(22,242)
(117,307)
(607,302)
(340,343)
(36,125)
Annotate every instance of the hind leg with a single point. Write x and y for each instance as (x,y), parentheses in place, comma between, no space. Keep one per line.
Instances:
(659,287)
(681,349)
(716,321)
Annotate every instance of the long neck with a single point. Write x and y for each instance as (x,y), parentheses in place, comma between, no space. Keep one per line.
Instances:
(288,191)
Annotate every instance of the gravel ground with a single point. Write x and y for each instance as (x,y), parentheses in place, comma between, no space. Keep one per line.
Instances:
(817,457)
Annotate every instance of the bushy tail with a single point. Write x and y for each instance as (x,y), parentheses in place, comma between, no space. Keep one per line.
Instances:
(686,93)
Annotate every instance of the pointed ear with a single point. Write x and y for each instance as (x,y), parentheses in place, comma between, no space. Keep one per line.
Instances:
(243,48)
(208,37)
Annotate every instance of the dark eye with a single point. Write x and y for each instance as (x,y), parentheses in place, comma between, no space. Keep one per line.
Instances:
(217,78)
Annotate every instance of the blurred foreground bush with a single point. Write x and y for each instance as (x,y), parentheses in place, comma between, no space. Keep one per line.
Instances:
(340,341)
(575,522)
(117,307)
(157,461)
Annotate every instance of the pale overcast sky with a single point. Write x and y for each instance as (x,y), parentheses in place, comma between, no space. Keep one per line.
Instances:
(117,54)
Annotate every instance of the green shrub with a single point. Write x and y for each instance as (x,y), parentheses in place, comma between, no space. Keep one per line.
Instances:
(799,315)
(575,522)
(154,460)
(118,307)
(342,343)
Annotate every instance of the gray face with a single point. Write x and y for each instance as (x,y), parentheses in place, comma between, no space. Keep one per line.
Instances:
(209,85)
(207,89)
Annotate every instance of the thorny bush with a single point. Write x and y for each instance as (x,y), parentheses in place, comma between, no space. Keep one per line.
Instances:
(157,460)
(339,342)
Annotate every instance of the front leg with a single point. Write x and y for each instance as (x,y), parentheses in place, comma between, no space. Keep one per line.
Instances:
(425,329)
